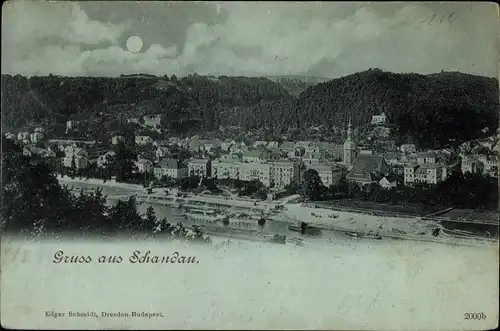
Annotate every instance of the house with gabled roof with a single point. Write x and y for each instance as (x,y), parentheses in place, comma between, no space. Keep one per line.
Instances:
(170,168)
(199,167)
(255,156)
(388,182)
(368,169)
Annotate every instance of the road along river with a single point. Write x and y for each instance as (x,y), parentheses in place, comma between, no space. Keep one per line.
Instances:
(174,215)
(332,229)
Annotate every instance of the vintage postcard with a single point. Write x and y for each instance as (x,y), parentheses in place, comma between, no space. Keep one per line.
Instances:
(249,165)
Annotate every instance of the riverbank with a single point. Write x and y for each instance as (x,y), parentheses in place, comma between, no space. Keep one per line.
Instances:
(403,228)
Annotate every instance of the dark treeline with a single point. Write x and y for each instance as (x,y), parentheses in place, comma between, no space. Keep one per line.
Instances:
(430,110)
(469,191)
(33,203)
(192,103)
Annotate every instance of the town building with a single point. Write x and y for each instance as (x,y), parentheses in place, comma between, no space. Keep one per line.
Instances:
(259,143)
(115,140)
(36,137)
(312,148)
(312,158)
(287,147)
(199,167)
(273,144)
(255,156)
(388,182)
(105,160)
(143,140)
(170,168)
(284,172)
(367,169)
(226,168)
(144,165)
(80,156)
(363,151)
(256,171)
(274,154)
(23,136)
(162,143)
(32,150)
(490,162)
(430,173)
(152,121)
(379,119)
(225,146)
(176,141)
(71,125)
(329,174)
(408,148)
(95,151)
(471,164)
(194,145)
(66,142)
(11,136)
(427,157)
(394,158)
(162,152)
(209,146)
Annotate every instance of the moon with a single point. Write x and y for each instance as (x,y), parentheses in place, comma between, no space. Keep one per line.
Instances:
(134,44)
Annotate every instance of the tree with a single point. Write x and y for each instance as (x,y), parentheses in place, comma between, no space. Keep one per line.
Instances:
(125,217)
(123,163)
(210,185)
(190,182)
(150,220)
(311,185)
(32,199)
(292,188)
(73,170)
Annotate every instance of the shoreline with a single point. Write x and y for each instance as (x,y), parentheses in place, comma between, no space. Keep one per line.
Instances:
(399,228)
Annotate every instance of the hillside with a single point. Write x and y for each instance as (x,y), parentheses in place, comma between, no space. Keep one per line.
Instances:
(189,103)
(296,84)
(431,110)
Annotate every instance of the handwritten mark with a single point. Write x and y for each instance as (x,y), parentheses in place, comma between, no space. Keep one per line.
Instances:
(434,18)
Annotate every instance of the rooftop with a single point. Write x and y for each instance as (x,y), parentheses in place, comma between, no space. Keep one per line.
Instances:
(199,161)
(368,164)
(253,153)
(168,164)
(320,167)
(430,166)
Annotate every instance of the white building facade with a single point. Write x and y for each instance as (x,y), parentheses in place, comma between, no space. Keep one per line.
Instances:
(199,167)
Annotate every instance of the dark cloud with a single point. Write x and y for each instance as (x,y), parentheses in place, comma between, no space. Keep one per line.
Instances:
(245,38)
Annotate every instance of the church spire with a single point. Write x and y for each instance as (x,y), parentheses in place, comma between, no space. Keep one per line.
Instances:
(349,130)
(350,149)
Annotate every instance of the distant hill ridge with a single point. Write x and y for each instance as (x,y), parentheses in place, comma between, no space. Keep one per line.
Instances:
(432,110)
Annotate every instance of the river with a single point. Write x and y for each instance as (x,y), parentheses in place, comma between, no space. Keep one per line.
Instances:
(174,215)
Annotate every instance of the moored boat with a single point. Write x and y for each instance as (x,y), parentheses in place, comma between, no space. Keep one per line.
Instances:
(298,227)
(237,225)
(364,235)
(200,216)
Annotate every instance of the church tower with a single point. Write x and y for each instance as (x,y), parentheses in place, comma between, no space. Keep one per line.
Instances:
(349,147)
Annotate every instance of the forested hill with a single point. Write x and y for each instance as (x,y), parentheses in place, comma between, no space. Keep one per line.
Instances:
(296,84)
(191,103)
(427,109)
(430,110)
